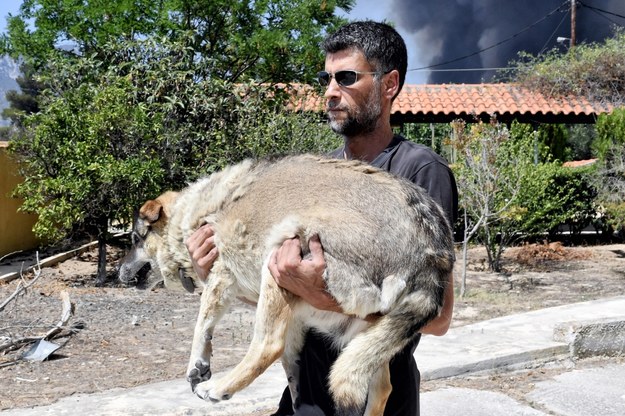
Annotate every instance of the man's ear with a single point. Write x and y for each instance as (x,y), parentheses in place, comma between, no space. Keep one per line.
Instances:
(391,84)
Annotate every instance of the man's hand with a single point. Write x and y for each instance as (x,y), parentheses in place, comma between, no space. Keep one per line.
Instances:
(302,277)
(201,247)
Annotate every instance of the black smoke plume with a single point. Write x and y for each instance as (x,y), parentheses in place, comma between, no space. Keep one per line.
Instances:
(445,30)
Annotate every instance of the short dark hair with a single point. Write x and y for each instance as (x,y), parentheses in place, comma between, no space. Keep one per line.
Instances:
(380,43)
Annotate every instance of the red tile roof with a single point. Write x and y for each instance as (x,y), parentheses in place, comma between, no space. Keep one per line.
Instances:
(447,102)
(506,101)
(579,163)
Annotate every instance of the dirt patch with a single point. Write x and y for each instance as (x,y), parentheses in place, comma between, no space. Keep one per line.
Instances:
(131,336)
(538,276)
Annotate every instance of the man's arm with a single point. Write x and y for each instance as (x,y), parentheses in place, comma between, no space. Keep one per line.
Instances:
(439,325)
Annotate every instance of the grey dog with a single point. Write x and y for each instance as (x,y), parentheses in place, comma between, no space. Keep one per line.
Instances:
(388,250)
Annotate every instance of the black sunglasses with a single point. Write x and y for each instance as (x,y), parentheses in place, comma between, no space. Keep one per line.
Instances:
(343,78)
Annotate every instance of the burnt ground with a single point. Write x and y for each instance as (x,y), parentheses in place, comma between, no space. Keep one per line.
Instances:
(125,336)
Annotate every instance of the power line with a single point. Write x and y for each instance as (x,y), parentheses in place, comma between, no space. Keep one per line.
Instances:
(599,13)
(552,34)
(601,10)
(496,44)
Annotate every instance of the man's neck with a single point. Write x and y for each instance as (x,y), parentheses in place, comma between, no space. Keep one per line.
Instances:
(368,146)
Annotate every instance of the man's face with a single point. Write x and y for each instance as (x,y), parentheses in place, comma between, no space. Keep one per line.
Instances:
(354,109)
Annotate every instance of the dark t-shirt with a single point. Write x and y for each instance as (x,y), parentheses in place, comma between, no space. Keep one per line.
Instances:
(428,170)
(422,166)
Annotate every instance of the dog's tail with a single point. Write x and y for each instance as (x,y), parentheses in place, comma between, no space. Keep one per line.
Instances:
(363,356)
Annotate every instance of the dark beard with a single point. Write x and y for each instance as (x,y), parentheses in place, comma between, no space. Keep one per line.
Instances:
(361,121)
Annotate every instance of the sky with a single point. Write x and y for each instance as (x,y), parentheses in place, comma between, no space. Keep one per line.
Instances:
(379,10)
(6,7)
(462,39)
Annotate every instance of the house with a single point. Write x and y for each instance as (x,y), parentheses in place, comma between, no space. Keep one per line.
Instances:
(443,103)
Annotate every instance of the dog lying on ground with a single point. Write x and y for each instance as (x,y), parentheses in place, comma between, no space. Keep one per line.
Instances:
(388,252)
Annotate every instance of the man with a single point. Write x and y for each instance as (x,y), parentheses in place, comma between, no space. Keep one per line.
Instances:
(365,68)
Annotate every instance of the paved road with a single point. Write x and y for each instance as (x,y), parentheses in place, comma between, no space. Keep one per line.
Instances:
(490,345)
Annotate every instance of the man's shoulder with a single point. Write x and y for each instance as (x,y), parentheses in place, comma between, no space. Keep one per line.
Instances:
(416,154)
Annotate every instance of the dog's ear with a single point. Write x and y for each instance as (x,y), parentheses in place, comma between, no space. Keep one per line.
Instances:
(151,211)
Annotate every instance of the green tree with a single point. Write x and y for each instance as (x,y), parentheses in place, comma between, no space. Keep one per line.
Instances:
(554,138)
(109,137)
(489,170)
(79,173)
(269,41)
(609,146)
(45,27)
(580,141)
(24,102)
(595,71)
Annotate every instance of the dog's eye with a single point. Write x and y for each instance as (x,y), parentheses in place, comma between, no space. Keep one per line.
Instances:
(136,238)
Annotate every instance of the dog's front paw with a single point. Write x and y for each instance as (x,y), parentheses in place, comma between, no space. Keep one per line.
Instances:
(211,391)
(198,373)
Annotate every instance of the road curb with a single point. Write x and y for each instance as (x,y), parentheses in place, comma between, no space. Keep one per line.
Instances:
(54,259)
(591,338)
(500,363)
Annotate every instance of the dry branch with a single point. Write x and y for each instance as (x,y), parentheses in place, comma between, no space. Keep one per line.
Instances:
(68,311)
(6,256)
(61,329)
(22,286)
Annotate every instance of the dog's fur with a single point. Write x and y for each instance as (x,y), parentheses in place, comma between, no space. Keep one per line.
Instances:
(388,252)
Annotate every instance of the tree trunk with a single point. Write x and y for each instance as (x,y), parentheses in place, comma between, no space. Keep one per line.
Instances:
(102,240)
(465,248)
(468,235)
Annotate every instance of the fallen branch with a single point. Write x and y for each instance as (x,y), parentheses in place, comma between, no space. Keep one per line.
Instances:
(6,256)
(66,314)
(16,344)
(21,287)
(61,329)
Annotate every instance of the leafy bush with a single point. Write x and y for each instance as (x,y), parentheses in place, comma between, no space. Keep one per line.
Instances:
(610,175)
(88,156)
(505,193)
(550,195)
(553,195)
(109,137)
(595,71)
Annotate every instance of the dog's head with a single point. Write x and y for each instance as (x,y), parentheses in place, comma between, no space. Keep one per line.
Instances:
(148,237)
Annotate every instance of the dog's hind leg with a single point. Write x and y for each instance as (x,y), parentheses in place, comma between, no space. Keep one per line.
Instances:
(217,296)
(272,319)
(368,351)
(379,390)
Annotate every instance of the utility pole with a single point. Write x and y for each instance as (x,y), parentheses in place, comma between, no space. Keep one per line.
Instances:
(573,18)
